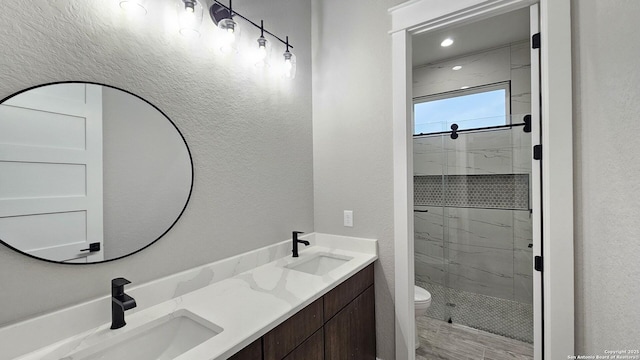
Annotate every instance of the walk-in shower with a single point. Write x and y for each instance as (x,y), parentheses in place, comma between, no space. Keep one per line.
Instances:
(472,166)
(473,229)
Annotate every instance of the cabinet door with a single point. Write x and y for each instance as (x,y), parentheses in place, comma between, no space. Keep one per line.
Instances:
(351,334)
(294,331)
(311,349)
(252,352)
(344,293)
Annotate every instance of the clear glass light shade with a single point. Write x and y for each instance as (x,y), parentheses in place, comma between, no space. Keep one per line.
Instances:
(189,17)
(229,35)
(289,67)
(134,7)
(262,53)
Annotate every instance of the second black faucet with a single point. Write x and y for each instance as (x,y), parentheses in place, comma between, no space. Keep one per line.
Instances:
(296,241)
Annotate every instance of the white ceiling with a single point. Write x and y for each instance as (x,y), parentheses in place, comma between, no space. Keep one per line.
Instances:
(470,38)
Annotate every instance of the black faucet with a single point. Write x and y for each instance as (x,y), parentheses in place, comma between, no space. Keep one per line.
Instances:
(120,302)
(296,241)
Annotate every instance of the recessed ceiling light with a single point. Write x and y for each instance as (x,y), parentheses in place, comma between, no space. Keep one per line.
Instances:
(464,87)
(456,68)
(446,42)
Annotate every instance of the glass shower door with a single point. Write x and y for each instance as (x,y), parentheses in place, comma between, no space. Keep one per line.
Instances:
(487,230)
(429,229)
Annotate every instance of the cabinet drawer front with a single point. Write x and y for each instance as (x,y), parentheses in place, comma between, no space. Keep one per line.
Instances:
(293,332)
(253,351)
(311,349)
(351,334)
(344,293)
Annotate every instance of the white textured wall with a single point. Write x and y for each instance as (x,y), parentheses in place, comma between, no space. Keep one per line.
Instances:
(353,165)
(606,49)
(250,135)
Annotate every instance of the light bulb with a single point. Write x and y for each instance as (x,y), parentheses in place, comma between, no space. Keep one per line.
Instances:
(289,66)
(228,26)
(262,48)
(261,55)
(189,18)
(229,34)
(133,7)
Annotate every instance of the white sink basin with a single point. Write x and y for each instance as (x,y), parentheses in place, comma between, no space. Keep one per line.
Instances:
(164,338)
(319,264)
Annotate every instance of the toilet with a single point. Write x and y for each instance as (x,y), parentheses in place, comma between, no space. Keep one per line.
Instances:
(422,300)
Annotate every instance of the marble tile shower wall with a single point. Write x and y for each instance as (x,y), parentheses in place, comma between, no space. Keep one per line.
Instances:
(509,63)
(480,250)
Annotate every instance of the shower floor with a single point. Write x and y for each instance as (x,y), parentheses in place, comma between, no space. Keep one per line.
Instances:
(502,317)
(440,340)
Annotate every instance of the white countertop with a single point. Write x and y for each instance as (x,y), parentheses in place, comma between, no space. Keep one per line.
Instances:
(246,306)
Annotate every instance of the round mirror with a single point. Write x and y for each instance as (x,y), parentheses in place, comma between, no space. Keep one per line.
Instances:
(88,173)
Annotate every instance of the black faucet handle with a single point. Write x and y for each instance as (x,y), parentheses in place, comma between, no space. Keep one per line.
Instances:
(117,286)
(295,234)
(119,282)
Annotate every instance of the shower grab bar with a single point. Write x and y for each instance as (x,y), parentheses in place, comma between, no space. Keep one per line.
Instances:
(420,211)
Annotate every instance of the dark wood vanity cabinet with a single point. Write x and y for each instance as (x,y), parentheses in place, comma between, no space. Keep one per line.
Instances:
(338,326)
(252,352)
(336,299)
(310,349)
(287,336)
(351,334)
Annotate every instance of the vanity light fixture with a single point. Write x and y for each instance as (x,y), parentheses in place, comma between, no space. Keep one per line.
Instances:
(134,7)
(456,68)
(222,16)
(446,42)
(190,17)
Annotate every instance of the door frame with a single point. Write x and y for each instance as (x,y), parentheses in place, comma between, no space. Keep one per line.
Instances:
(418,16)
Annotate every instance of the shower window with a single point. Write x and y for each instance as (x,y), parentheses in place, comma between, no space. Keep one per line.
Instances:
(472,108)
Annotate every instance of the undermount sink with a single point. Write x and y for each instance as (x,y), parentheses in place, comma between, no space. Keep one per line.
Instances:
(164,338)
(319,264)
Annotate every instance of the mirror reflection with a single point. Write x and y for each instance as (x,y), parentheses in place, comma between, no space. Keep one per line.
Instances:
(88,173)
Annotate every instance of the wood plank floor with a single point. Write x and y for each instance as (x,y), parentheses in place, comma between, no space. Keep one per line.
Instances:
(440,340)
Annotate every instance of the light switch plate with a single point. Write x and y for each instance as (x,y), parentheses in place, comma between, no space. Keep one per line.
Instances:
(348,218)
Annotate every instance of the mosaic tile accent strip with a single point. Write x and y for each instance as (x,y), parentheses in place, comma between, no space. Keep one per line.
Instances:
(503,317)
(503,191)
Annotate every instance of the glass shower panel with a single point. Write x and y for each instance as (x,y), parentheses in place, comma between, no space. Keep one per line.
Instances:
(429,231)
(487,230)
